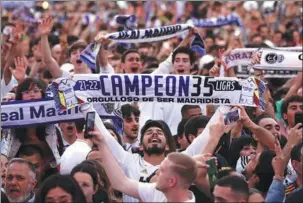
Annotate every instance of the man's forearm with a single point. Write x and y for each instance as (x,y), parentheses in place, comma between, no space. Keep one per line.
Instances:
(115,174)
(51,64)
(264,136)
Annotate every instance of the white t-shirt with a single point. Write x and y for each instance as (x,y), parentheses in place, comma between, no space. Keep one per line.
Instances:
(134,165)
(7,88)
(149,193)
(74,155)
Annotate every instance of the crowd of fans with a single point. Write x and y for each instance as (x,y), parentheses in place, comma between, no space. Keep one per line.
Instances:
(161,155)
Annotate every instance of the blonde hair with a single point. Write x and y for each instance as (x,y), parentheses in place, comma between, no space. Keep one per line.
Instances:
(184,166)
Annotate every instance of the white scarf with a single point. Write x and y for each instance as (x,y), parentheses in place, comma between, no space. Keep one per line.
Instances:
(243,56)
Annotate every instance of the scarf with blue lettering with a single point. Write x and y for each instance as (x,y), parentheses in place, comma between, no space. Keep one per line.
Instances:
(89,54)
(231,19)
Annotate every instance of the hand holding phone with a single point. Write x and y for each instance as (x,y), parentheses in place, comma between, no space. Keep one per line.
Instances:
(299,118)
(90,124)
(232,116)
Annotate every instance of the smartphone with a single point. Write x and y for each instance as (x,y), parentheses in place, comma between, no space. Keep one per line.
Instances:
(212,172)
(90,124)
(299,118)
(232,116)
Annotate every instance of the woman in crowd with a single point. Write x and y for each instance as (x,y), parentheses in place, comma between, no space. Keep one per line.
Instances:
(43,136)
(60,188)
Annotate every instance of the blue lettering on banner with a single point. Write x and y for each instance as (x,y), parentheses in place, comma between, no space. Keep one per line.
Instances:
(184,86)
(37,114)
(117,84)
(158,85)
(102,84)
(146,83)
(13,116)
(131,86)
(172,84)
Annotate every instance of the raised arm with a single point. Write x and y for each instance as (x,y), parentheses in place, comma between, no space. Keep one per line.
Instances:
(117,178)
(166,66)
(264,136)
(102,57)
(52,65)
(120,154)
(216,130)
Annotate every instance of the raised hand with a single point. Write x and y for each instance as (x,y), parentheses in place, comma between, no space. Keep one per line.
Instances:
(218,128)
(295,135)
(256,58)
(45,26)
(278,162)
(245,120)
(20,69)
(102,39)
(215,70)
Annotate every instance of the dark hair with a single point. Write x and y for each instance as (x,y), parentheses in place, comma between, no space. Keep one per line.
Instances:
(186,107)
(104,185)
(264,171)
(80,125)
(236,147)
(193,124)
(21,133)
(284,106)
(128,109)
(29,150)
(235,183)
(65,182)
(76,45)
(262,116)
(277,95)
(181,125)
(89,169)
(27,83)
(110,126)
(129,51)
(184,50)
(296,152)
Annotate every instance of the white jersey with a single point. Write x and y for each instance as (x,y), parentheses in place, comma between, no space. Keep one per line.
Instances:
(133,165)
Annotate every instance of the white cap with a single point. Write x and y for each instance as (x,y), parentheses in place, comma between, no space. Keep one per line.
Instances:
(73,155)
(205,60)
(67,67)
(250,5)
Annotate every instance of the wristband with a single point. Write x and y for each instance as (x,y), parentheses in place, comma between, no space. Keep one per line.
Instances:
(278,178)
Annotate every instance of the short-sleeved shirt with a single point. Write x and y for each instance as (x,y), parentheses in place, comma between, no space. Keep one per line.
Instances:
(149,193)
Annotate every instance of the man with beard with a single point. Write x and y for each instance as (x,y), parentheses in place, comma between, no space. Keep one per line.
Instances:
(155,142)
(20,181)
(130,115)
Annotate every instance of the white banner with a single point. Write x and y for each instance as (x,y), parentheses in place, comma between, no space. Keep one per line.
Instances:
(243,56)
(279,60)
(187,89)
(27,113)
(150,34)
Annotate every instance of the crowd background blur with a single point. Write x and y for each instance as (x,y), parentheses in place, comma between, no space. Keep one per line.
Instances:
(27,68)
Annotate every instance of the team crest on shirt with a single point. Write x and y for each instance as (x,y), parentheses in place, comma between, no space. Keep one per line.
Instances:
(144,171)
(112,108)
